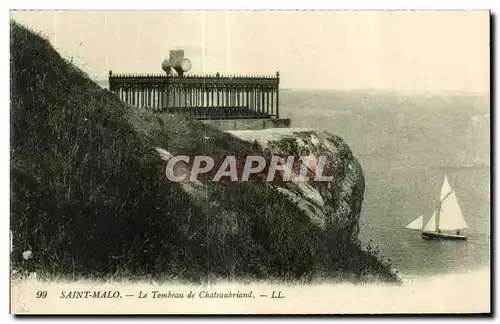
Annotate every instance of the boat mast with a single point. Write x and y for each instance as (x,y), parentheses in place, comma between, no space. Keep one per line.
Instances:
(437,216)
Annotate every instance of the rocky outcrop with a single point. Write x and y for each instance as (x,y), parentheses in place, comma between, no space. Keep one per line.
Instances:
(326,202)
(336,202)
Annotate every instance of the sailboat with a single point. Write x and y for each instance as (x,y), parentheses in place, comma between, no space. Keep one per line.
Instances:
(446,217)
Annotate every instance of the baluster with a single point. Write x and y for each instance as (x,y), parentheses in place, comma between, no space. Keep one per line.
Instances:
(136,92)
(217,90)
(139,93)
(254,103)
(212,90)
(155,98)
(247,95)
(203,92)
(233,96)
(141,96)
(152,101)
(272,101)
(237,96)
(277,102)
(149,97)
(126,95)
(184,91)
(198,97)
(193,104)
(159,91)
(257,95)
(195,96)
(137,96)
(267,101)
(179,96)
(174,95)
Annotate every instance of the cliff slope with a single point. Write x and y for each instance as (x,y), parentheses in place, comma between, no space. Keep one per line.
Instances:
(89,195)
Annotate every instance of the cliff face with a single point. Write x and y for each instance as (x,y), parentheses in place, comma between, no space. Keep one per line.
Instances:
(325,202)
(89,194)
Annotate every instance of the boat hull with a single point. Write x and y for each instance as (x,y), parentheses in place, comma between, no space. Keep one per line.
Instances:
(443,236)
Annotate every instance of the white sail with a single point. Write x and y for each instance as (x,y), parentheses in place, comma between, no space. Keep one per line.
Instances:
(445,189)
(417,224)
(431,224)
(450,215)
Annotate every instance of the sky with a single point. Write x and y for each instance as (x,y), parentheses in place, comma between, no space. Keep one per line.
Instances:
(388,50)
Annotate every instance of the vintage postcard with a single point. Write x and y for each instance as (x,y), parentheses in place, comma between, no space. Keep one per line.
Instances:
(250,162)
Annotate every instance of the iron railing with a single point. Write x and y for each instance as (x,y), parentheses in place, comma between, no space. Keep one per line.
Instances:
(206,97)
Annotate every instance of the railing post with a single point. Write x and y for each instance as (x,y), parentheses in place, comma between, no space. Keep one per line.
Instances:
(277,94)
(272,100)
(110,82)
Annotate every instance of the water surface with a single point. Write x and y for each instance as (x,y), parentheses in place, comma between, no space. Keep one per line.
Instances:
(406,144)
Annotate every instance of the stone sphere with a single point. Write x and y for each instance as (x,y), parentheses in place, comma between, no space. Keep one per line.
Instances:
(186,65)
(166,66)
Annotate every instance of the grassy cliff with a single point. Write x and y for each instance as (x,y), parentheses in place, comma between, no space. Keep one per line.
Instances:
(89,196)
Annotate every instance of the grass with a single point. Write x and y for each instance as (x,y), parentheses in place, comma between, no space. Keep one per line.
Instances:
(89,196)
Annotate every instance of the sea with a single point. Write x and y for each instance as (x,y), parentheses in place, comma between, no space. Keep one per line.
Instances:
(406,143)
